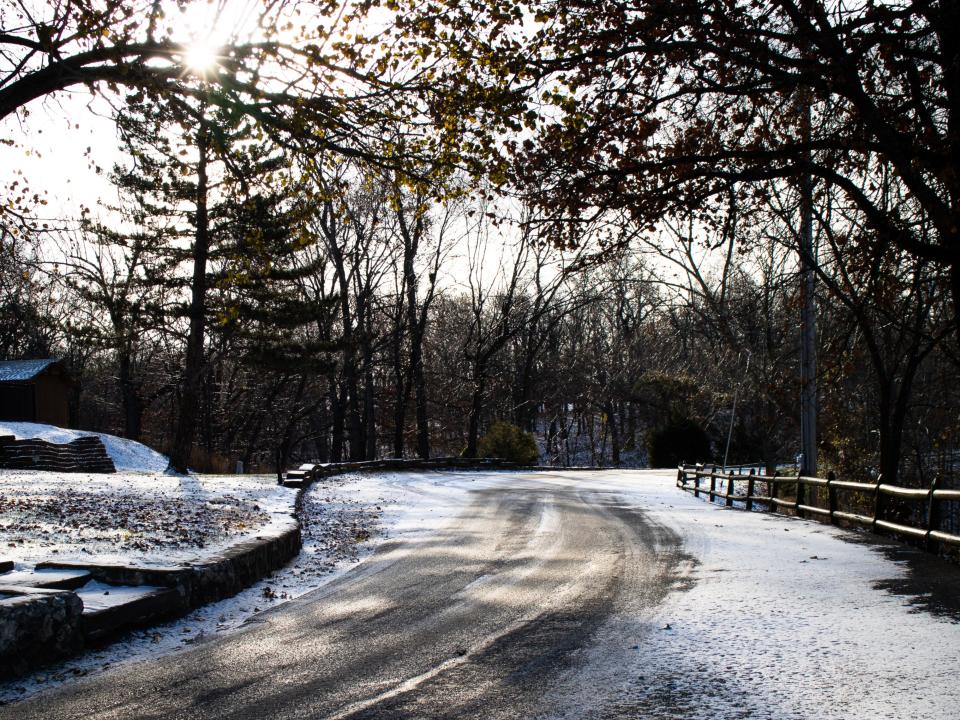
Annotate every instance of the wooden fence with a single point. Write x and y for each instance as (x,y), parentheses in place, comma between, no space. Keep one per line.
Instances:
(911,512)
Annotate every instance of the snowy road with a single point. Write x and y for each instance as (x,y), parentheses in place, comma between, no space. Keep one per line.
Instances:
(580,595)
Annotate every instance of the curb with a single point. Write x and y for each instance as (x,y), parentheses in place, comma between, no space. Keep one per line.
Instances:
(36,626)
(39,626)
(208,580)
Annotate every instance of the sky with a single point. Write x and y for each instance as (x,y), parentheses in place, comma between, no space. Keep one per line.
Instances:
(52,152)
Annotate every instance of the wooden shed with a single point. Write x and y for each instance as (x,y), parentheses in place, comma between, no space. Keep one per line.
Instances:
(35,391)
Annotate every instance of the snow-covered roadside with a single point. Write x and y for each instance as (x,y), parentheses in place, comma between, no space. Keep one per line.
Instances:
(784,619)
(343,519)
(127,455)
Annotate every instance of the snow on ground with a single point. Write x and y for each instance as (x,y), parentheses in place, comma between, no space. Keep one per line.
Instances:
(132,518)
(342,518)
(774,618)
(127,455)
(137,515)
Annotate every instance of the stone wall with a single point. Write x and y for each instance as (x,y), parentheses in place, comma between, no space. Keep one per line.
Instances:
(37,626)
(85,454)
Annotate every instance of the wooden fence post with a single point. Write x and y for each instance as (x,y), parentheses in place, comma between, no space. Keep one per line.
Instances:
(800,493)
(751,485)
(713,483)
(696,481)
(933,513)
(831,494)
(877,504)
(773,492)
(729,502)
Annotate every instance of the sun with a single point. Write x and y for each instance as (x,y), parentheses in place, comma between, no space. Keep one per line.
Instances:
(201,56)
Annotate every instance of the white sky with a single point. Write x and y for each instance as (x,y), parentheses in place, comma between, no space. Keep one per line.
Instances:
(51,152)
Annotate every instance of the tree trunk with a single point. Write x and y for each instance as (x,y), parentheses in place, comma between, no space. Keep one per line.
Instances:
(337,430)
(369,404)
(401,392)
(351,399)
(592,437)
(614,434)
(955,293)
(525,410)
(190,385)
(349,395)
(318,423)
(891,433)
(891,438)
(476,408)
(417,322)
(399,418)
(130,400)
(423,423)
(209,385)
(286,442)
(283,454)
(893,418)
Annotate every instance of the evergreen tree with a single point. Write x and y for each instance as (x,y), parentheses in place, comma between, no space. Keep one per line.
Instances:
(198,170)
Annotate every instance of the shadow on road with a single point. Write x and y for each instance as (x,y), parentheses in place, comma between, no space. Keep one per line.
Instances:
(931,584)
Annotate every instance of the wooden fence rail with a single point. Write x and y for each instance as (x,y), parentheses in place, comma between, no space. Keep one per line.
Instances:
(692,478)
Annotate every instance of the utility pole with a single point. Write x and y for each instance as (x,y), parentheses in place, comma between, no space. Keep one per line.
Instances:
(733,410)
(808,319)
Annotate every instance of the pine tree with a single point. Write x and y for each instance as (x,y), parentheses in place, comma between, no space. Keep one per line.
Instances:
(200,172)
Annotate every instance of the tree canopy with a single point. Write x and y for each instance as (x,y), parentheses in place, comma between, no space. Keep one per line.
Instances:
(658,107)
(321,164)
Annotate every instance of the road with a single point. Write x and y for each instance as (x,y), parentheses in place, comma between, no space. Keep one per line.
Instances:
(551,596)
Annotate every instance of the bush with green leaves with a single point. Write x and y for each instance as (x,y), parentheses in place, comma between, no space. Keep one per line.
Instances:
(508,442)
(680,440)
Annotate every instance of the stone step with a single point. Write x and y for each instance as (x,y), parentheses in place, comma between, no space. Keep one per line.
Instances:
(117,574)
(49,578)
(109,609)
(85,454)
(28,461)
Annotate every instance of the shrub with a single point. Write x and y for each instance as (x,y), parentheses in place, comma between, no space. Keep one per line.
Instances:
(680,440)
(508,442)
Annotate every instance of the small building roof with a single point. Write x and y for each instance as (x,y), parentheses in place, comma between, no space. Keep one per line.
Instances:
(22,370)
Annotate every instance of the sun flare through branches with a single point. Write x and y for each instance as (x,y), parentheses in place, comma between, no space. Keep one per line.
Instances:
(201,56)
